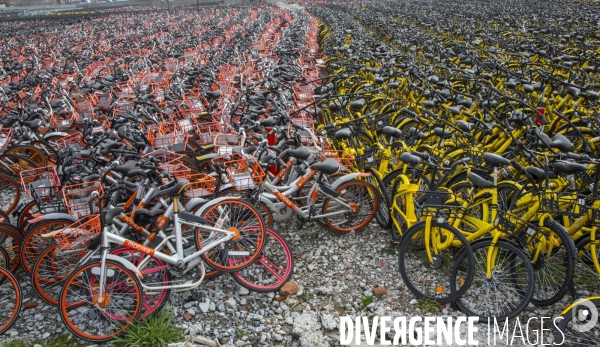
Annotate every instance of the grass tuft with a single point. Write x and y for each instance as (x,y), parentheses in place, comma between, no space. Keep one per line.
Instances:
(155,330)
(63,340)
(367,300)
(428,305)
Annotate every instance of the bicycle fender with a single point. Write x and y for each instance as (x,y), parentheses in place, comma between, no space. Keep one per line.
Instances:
(55,133)
(215,201)
(51,216)
(193,202)
(347,178)
(577,302)
(126,263)
(269,204)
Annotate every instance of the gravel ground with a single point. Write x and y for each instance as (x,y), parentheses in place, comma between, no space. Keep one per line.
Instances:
(334,274)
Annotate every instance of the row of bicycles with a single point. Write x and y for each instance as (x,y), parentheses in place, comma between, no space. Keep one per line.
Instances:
(138,165)
(479,131)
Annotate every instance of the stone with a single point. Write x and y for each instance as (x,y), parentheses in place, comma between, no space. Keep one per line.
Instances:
(328,307)
(412,302)
(243,291)
(230,302)
(204,306)
(187,316)
(45,336)
(290,288)
(204,341)
(379,291)
(328,322)
(281,298)
(212,307)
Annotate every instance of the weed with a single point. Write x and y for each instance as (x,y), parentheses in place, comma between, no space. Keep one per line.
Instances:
(428,305)
(155,330)
(367,300)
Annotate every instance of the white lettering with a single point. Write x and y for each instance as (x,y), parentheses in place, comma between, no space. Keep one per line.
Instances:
(537,336)
(370,331)
(400,329)
(472,329)
(412,331)
(428,330)
(517,324)
(384,330)
(444,330)
(346,325)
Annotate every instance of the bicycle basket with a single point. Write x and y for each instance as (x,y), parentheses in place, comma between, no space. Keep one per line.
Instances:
(224,143)
(244,173)
(346,160)
(200,185)
(367,160)
(41,183)
(78,234)
(77,198)
(5,137)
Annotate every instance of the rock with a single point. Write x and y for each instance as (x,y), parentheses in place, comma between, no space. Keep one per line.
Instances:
(230,302)
(328,307)
(328,322)
(204,306)
(412,302)
(45,336)
(212,307)
(308,330)
(39,317)
(30,305)
(281,298)
(379,291)
(243,291)
(204,341)
(187,316)
(289,321)
(290,288)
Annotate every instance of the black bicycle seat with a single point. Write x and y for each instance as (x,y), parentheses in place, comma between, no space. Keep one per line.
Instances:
(494,159)
(301,152)
(478,181)
(410,159)
(130,165)
(175,190)
(391,131)
(569,168)
(328,166)
(343,134)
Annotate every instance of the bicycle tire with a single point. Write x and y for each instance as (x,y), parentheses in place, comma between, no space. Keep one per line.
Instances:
(566,336)
(420,280)
(8,285)
(586,281)
(4,258)
(33,244)
(383,211)
(481,287)
(11,242)
(256,276)
(368,198)
(84,277)
(16,164)
(248,240)
(28,151)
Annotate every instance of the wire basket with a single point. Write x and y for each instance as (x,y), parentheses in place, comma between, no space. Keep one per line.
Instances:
(207,132)
(62,122)
(200,185)
(346,160)
(74,140)
(175,141)
(244,173)
(42,183)
(171,162)
(378,123)
(77,198)
(368,159)
(5,137)
(78,234)
(224,143)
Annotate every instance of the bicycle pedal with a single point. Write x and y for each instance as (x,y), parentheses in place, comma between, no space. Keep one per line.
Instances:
(299,226)
(395,244)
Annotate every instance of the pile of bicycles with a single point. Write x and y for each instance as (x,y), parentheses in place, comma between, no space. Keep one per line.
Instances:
(480,139)
(138,165)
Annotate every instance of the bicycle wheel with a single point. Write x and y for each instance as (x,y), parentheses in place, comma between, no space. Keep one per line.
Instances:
(10,194)
(121,301)
(156,273)
(245,247)
(10,299)
(4,258)
(383,211)
(31,152)
(506,293)
(11,242)
(272,269)
(26,212)
(577,328)
(33,244)
(48,151)
(363,199)
(12,165)
(553,267)
(431,279)
(51,270)
(586,281)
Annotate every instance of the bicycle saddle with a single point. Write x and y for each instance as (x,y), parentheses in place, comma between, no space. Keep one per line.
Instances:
(478,181)
(343,134)
(301,153)
(391,131)
(244,150)
(455,109)
(213,95)
(33,124)
(336,106)
(539,174)
(130,165)
(174,190)
(393,84)
(328,166)
(410,159)
(442,133)
(561,143)
(495,160)
(358,105)
(429,103)
(262,93)
(568,168)
(111,214)
(414,132)
(466,126)
(269,122)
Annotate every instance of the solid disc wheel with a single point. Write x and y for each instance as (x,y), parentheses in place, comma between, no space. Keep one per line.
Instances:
(232,215)
(272,269)
(10,299)
(93,321)
(582,334)
(503,295)
(430,277)
(362,200)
